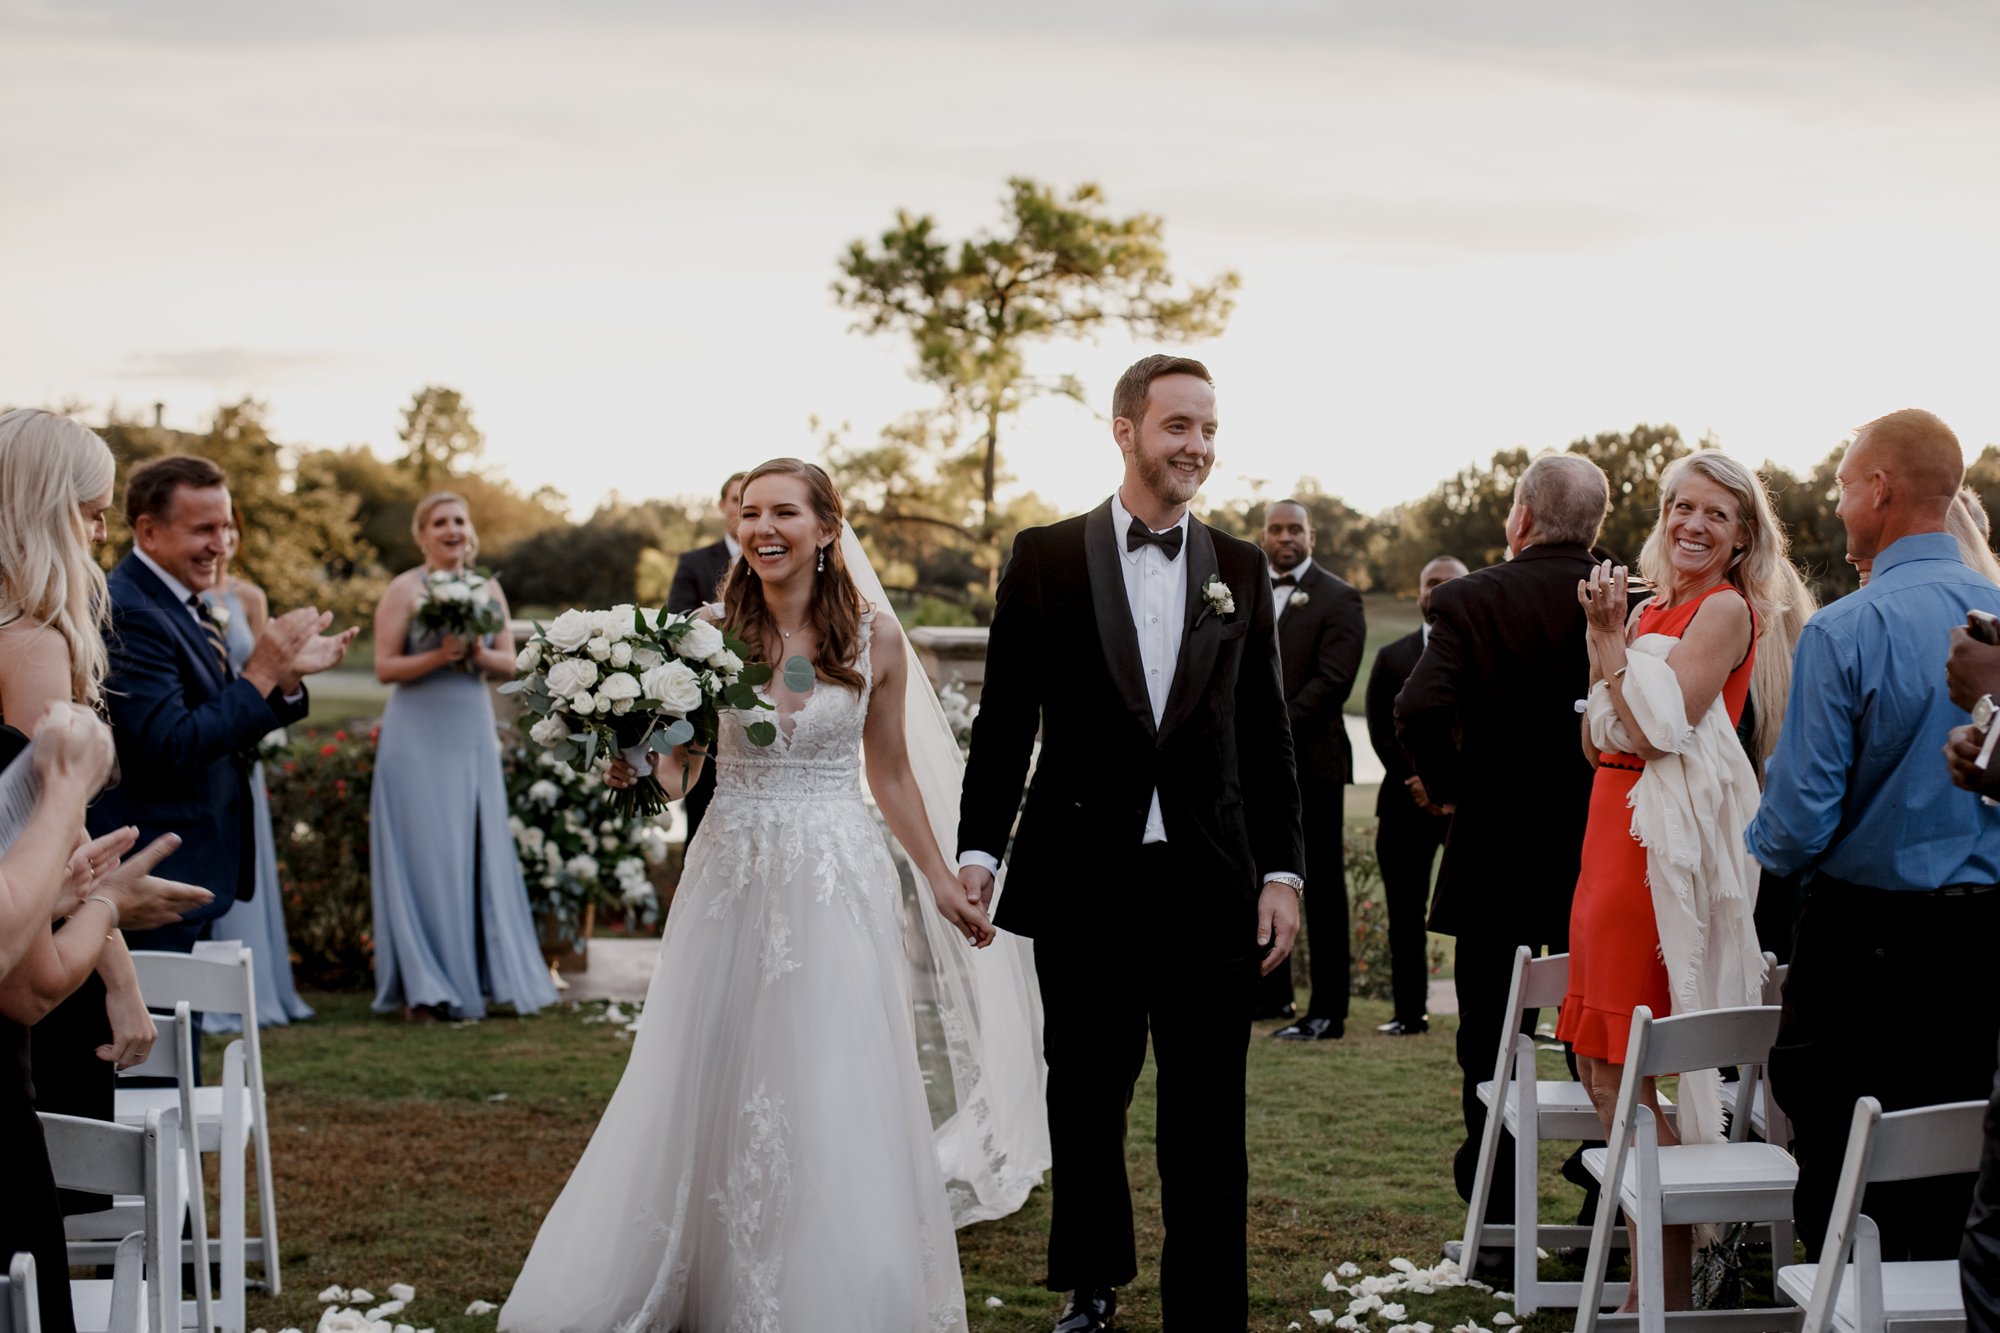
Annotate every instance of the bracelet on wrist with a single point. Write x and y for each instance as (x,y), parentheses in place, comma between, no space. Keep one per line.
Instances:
(113,907)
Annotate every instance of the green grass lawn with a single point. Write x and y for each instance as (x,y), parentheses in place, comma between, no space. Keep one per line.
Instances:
(428,1154)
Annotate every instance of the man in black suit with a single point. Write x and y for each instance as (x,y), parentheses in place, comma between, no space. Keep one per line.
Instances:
(1320,634)
(1489,720)
(698,578)
(1158,857)
(1409,829)
(184,721)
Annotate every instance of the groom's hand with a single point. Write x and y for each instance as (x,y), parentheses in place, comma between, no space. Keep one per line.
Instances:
(978,882)
(1277,922)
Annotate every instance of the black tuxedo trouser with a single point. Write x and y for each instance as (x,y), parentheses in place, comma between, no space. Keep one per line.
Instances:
(1483,972)
(1406,847)
(1166,969)
(1890,995)
(1322,809)
(695,804)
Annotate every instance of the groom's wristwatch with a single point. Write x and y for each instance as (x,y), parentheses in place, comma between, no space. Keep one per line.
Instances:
(1298,885)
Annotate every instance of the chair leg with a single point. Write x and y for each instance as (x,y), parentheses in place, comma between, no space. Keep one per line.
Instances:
(1527,1216)
(1482,1178)
(230,1309)
(1648,1247)
(267,1203)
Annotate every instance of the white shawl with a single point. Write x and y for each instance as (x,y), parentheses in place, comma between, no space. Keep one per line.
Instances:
(1689,810)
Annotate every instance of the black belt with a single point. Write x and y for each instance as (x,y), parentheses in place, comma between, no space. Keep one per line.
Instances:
(1825,882)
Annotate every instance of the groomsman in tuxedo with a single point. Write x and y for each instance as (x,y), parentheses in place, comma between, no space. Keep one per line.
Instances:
(1320,633)
(185,723)
(1158,859)
(1489,719)
(1409,830)
(697,581)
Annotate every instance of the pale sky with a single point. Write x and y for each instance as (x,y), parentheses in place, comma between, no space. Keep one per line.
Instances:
(1461,225)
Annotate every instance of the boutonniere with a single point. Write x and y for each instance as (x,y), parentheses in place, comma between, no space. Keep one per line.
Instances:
(1299,599)
(219,613)
(1216,599)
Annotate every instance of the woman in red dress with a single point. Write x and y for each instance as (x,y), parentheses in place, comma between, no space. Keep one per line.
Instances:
(1714,561)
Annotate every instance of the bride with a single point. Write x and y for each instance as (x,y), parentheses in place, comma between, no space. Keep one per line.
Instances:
(789,1148)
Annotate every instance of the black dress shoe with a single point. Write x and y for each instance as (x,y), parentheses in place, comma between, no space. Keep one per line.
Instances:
(1313,1029)
(1397,1027)
(1267,1015)
(1088,1311)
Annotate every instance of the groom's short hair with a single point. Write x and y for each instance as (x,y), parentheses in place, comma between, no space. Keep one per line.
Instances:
(1128,400)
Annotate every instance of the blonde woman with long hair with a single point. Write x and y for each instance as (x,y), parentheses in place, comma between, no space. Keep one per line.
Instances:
(452,923)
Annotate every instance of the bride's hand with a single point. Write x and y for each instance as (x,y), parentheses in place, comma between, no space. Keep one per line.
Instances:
(959,907)
(620,775)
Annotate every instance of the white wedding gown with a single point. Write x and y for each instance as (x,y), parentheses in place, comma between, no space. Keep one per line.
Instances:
(767,1162)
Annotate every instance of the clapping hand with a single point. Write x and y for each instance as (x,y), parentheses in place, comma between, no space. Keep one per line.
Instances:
(92,857)
(1603,598)
(142,899)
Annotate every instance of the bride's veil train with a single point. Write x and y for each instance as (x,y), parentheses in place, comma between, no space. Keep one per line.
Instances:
(978,1013)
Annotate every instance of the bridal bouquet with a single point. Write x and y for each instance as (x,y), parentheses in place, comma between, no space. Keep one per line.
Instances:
(635,682)
(457,604)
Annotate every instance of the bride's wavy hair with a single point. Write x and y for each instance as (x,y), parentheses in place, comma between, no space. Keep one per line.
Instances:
(836,602)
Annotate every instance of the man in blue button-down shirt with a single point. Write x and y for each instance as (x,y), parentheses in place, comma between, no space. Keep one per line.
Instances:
(1889,993)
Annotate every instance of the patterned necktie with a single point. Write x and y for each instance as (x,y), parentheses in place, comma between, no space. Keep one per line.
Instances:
(212,632)
(1140,535)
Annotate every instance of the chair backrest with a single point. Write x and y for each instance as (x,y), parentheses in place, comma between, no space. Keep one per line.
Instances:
(215,980)
(1705,1039)
(174,1059)
(1926,1141)
(20,1303)
(99,1157)
(1544,981)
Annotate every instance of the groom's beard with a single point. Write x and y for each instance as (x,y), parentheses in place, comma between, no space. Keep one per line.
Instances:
(1170,485)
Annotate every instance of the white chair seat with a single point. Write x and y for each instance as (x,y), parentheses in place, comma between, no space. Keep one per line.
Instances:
(1713,1182)
(133,1103)
(1923,1290)
(91,1301)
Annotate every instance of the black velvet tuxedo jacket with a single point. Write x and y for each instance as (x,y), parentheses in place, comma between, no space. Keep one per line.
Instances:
(1319,647)
(1393,665)
(183,727)
(698,577)
(1488,716)
(1063,658)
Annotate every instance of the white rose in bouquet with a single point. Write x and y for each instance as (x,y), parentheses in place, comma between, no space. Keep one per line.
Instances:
(529,657)
(675,685)
(646,658)
(599,649)
(451,590)
(614,624)
(727,664)
(619,686)
(549,731)
(571,675)
(569,631)
(621,655)
(582,704)
(701,642)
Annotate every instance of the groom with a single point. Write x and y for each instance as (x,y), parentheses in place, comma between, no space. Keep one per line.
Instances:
(1158,861)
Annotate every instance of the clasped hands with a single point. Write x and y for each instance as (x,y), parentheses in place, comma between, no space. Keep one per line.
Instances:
(1971,670)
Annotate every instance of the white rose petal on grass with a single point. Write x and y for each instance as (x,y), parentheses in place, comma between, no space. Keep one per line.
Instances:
(1502,1320)
(1503,1295)
(406,1328)
(1321,1317)
(361,1296)
(481,1307)
(1349,1270)
(1421,1327)
(1393,1312)
(994,1302)
(402,1291)
(569,631)
(701,642)
(1348,1322)
(334,1294)
(1331,1283)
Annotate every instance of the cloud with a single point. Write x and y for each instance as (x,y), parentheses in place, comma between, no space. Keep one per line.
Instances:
(221,365)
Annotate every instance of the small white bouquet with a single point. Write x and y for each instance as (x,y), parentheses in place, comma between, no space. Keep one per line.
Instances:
(635,682)
(458,604)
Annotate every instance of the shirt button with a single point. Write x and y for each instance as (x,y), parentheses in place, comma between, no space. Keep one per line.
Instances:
(1156,671)
(1152,620)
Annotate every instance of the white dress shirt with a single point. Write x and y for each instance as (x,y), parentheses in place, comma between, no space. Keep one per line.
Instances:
(1282,597)
(735,549)
(1156,595)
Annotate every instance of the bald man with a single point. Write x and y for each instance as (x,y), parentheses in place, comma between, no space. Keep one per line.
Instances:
(1890,993)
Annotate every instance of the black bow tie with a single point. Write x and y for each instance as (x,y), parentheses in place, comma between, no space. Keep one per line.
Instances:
(1284,581)
(1169,541)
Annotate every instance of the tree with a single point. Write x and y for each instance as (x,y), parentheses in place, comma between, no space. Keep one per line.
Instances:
(1345,540)
(386,496)
(1059,267)
(438,436)
(1634,461)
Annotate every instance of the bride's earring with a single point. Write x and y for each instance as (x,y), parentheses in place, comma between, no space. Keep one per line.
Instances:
(822,561)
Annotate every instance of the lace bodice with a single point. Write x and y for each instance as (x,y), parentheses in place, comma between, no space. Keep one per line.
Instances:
(818,749)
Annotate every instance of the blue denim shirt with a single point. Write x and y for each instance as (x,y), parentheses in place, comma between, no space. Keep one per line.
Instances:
(1857,787)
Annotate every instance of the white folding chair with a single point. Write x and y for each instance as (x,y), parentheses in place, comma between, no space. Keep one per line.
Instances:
(1767,1119)
(1535,1111)
(1867,1295)
(94,1238)
(20,1303)
(1737,1181)
(143,1295)
(220,977)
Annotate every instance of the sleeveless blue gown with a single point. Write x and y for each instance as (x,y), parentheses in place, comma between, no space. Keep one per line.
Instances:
(452,923)
(259,923)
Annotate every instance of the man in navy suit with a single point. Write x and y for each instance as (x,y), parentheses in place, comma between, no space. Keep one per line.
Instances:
(184,721)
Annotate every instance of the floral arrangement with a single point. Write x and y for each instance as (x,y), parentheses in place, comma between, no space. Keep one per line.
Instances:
(576,846)
(458,604)
(637,682)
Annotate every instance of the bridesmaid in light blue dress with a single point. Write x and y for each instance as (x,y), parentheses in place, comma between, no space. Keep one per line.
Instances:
(452,925)
(259,923)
